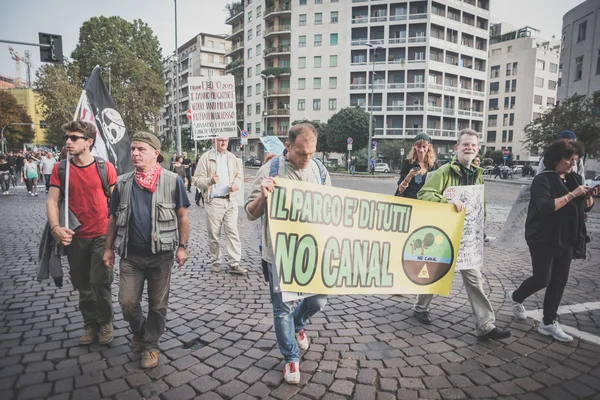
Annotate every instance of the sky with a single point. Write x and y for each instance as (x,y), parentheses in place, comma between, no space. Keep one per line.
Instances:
(23,19)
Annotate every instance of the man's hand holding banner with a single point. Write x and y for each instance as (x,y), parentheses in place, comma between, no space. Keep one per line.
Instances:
(329,240)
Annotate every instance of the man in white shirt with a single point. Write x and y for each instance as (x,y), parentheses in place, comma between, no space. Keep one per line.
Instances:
(47,165)
(219,175)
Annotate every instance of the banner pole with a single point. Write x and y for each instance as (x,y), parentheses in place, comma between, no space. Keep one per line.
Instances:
(68,168)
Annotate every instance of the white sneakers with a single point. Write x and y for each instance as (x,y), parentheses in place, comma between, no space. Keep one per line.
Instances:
(517,308)
(291,373)
(302,340)
(555,331)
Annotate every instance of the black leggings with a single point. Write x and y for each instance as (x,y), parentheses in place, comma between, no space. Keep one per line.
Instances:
(551,271)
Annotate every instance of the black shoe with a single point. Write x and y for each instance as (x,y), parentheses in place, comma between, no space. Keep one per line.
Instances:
(496,333)
(198,203)
(424,317)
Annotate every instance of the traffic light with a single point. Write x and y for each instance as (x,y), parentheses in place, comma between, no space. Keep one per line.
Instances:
(54,53)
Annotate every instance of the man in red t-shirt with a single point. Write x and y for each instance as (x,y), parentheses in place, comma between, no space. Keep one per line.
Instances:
(88,202)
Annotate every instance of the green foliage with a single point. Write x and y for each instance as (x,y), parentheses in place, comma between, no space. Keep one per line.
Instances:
(497,157)
(133,53)
(276,71)
(234,8)
(13,112)
(578,114)
(392,151)
(348,122)
(234,64)
(59,89)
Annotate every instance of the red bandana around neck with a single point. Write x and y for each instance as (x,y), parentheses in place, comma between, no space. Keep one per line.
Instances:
(149,179)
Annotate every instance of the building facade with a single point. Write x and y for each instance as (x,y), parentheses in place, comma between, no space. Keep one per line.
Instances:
(30,101)
(204,55)
(425,62)
(580,55)
(523,79)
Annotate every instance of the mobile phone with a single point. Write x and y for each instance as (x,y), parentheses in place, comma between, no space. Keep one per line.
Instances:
(417,168)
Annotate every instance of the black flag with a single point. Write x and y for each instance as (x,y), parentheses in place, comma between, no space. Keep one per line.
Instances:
(109,123)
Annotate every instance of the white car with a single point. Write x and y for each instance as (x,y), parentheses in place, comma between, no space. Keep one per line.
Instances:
(382,167)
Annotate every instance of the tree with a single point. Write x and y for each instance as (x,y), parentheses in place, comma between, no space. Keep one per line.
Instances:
(133,53)
(59,93)
(12,112)
(348,122)
(392,150)
(498,157)
(578,114)
(234,8)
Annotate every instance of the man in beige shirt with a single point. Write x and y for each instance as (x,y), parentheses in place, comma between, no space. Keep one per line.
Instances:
(296,164)
(219,175)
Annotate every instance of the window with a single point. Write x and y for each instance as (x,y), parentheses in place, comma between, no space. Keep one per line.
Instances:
(317,62)
(302,41)
(515,68)
(318,1)
(506,86)
(334,17)
(539,82)
(333,83)
(258,30)
(513,101)
(249,34)
(301,62)
(249,72)
(249,16)
(506,105)
(301,104)
(257,127)
(257,108)
(258,11)
(249,127)
(578,68)
(551,85)
(495,71)
(333,61)
(250,53)
(511,120)
(333,39)
(318,18)
(504,135)
(491,137)
(302,2)
(537,99)
(302,20)
(510,136)
(493,104)
(249,91)
(494,87)
(316,104)
(508,69)
(550,101)
(505,119)
(258,49)
(258,68)
(249,109)
(301,83)
(514,85)
(582,31)
(553,68)
(496,52)
(509,49)
(332,104)
(540,64)
(316,83)
(257,89)
(492,121)
(318,40)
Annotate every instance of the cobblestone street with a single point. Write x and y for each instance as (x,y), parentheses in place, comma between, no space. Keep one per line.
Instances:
(220,344)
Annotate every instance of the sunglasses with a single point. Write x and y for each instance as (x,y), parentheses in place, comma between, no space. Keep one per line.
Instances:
(74,138)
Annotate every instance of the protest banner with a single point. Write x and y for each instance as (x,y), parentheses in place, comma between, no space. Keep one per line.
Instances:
(470,255)
(212,102)
(272,144)
(338,241)
(513,230)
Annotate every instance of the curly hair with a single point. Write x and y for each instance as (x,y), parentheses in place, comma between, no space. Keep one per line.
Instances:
(86,128)
(430,156)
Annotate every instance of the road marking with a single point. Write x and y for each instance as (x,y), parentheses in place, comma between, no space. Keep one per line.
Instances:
(571,309)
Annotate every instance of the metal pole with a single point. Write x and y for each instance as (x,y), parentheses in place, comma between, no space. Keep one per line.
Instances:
(266,102)
(177,86)
(109,85)
(2,138)
(371,114)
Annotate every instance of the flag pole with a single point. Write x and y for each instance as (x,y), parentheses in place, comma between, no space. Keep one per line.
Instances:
(68,168)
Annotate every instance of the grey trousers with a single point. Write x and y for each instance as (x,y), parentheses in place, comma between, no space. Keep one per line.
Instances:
(483,313)
(223,213)
(156,270)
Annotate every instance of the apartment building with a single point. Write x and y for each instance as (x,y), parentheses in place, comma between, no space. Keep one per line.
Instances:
(580,55)
(523,79)
(203,55)
(425,62)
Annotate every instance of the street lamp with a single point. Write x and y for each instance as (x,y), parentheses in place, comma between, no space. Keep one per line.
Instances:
(375,54)
(5,126)
(266,78)
(177,86)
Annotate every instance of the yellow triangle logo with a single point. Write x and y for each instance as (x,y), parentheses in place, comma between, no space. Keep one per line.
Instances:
(424,272)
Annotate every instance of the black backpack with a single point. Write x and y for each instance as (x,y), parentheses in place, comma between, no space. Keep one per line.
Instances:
(100,166)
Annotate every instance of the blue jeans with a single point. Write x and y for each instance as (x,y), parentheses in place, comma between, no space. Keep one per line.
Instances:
(288,322)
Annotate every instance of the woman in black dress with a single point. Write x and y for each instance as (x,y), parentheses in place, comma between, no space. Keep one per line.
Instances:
(420,161)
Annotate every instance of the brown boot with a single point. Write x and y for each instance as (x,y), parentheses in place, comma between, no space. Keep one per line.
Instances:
(107,332)
(136,342)
(89,335)
(149,359)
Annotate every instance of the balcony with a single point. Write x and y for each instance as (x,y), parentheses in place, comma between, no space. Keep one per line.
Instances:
(398,17)
(394,132)
(359,42)
(396,85)
(358,86)
(278,112)
(235,31)
(434,132)
(448,111)
(382,18)
(434,109)
(284,8)
(363,19)
(412,131)
(400,40)
(277,92)
(417,16)
(465,113)
(435,86)
(415,85)
(235,48)
(417,39)
(415,108)
(271,51)
(234,65)
(374,108)
(277,29)
(395,108)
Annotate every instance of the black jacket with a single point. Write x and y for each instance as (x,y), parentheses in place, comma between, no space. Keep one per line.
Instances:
(413,187)
(559,229)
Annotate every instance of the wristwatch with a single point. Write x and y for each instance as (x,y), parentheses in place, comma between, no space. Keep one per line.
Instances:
(183,246)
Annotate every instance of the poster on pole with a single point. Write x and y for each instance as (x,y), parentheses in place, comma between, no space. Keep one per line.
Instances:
(470,255)
(212,102)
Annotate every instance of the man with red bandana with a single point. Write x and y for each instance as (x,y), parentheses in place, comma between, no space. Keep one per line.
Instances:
(148,216)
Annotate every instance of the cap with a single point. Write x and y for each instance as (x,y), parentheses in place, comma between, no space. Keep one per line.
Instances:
(567,135)
(423,136)
(150,139)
